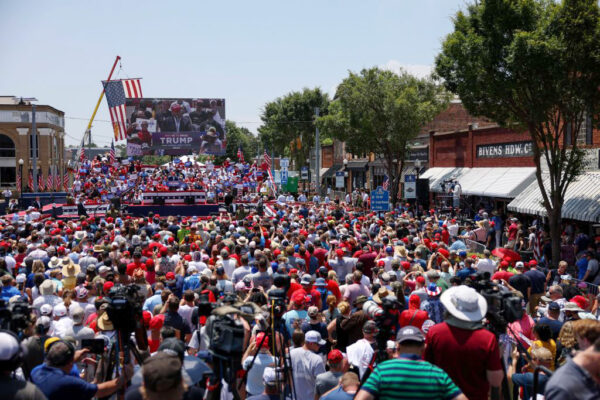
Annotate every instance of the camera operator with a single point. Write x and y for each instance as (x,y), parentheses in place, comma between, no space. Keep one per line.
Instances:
(34,345)
(360,354)
(462,333)
(56,383)
(11,357)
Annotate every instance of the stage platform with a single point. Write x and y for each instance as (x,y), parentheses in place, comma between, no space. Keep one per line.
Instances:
(188,210)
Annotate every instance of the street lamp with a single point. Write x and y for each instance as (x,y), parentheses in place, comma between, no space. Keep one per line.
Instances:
(418,168)
(21,162)
(345,162)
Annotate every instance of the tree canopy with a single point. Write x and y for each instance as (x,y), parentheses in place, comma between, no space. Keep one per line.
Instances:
(380,111)
(535,63)
(239,137)
(289,123)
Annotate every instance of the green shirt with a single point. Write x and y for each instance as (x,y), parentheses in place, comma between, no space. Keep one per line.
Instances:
(409,377)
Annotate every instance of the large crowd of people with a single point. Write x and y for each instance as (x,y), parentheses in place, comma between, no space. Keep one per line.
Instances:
(317,300)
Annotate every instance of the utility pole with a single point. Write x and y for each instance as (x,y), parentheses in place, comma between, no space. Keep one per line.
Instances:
(34,148)
(317,155)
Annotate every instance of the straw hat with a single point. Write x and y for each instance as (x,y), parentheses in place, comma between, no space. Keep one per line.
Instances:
(381,293)
(104,323)
(47,288)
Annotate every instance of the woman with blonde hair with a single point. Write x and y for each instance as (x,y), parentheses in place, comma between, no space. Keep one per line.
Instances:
(333,328)
(566,343)
(332,312)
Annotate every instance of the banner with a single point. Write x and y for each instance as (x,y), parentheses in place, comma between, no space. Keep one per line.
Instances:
(177,126)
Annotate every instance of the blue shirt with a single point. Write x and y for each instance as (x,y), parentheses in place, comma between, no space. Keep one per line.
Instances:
(338,394)
(465,273)
(152,301)
(582,265)
(8,292)
(57,385)
(292,315)
(192,282)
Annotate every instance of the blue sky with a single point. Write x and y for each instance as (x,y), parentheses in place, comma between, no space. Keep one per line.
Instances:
(246,52)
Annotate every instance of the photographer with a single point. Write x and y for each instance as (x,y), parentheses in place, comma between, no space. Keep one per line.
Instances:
(11,357)
(56,383)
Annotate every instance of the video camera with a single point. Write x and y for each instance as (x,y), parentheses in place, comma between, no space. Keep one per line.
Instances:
(386,318)
(504,307)
(15,317)
(124,307)
(277,303)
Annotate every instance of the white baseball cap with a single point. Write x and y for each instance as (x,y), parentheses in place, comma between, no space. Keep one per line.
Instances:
(46,309)
(314,337)
(60,310)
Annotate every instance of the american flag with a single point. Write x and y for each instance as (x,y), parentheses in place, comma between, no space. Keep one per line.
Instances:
(116,94)
(57,181)
(111,155)
(538,244)
(386,183)
(19,187)
(267,158)
(240,154)
(49,180)
(66,181)
(30,181)
(40,181)
(81,153)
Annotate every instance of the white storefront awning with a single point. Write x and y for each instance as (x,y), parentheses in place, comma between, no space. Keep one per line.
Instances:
(582,199)
(489,182)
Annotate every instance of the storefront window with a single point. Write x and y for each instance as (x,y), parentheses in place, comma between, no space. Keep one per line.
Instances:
(7,146)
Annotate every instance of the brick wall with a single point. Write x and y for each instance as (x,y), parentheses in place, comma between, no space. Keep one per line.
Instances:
(454,118)
(326,156)
(458,149)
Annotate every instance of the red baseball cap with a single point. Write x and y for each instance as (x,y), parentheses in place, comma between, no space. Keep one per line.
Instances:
(260,337)
(298,298)
(156,323)
(170,276)
(339,252)
(421,280)
(335,356)
(107,286)
(405,264)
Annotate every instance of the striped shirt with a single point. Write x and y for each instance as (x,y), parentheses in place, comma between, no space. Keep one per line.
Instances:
(409,377)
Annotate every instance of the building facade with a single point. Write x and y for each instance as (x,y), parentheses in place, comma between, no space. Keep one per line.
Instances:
(17,139)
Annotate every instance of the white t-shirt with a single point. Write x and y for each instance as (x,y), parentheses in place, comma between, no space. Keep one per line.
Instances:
(254,383)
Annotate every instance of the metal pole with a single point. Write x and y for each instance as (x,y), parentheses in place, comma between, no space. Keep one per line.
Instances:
(34,148)
(317,155)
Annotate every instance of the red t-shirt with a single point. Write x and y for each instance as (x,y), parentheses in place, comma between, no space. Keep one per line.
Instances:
(153,345)
(321,255)
(465,355)
(413,318)
(135,265)
(293,287)
(334,288)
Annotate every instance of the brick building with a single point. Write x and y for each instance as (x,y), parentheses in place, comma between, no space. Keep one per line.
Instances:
(16,139)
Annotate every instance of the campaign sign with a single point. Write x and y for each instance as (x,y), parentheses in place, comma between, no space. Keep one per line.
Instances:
(339,179)
(380,199)
(304,173)
(175,143)
(410,186)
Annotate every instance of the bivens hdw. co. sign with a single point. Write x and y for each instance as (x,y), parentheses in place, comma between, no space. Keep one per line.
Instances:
(512,149)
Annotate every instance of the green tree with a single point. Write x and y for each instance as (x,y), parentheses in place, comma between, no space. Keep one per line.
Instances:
(289,123)
(381,112)
(535,64)
(239,137)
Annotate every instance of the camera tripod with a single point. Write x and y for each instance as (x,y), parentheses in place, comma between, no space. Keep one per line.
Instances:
(281,354)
